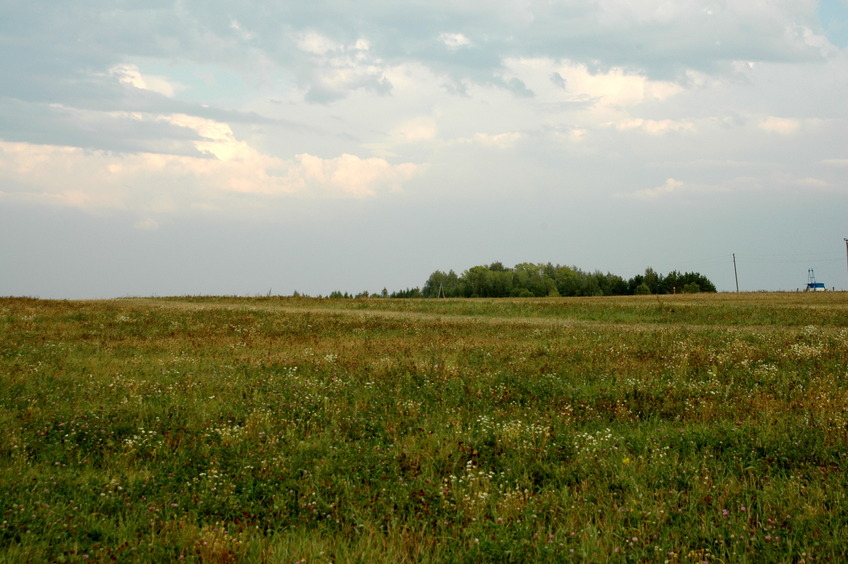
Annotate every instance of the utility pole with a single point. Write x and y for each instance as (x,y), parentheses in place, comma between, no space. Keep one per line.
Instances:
(736,276)
(846,249)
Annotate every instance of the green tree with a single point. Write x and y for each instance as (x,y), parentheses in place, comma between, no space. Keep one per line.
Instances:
(538,279)
(477,282)
(440,284)
(408,293)
(702,281)
(652,280)
(691,288)
(529,276)
(566,281)
(642,289)
(502,283)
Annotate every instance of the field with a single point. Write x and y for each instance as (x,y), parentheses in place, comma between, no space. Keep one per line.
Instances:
(696,428)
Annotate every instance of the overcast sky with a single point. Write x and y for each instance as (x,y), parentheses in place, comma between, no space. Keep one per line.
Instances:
(173,147)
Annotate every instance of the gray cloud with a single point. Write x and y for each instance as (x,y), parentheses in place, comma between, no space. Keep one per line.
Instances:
(53,49)
(53,125)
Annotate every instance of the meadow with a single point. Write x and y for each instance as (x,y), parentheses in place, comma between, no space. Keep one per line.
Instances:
(688,428)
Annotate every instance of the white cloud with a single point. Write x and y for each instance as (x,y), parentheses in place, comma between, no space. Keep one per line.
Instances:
(243,34)
(576,135)
(219,140)
(616,87)
(605,94)
(671,185)
(315,43)
(631,12)
(348,175)
(655,127)
(454,40)
(499,141)
(783,126)
(336,70)
(162,183)
(422,128)
(130,74)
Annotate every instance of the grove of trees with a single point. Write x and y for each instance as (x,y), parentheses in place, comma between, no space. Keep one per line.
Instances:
(528,280)
(539,280)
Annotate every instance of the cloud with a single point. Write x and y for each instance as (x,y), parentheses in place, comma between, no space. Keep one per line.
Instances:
(654,127)
(568,76)
(422,128)
(671,185)
(348,175)
(606,91)
(130,74)
(336,70)
(164,183)
(314,43)
(783,126)
(454,40)
(500,140)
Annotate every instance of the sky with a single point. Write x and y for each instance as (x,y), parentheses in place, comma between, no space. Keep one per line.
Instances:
(185,147)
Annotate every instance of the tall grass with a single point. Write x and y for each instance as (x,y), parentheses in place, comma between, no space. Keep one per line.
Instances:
(686,428)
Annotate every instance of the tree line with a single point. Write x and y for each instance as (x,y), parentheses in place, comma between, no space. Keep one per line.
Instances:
(540,280)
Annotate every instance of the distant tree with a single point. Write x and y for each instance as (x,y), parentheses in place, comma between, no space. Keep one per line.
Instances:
(616,285)
(408,293)
(551,286)
(691,288)
(527,275)
(642,289)
(441,284)
(566,279)
(498,283)
(652,280)
(529,279)
(476,282)
(670,283)
(592,286)
(702,281)
(635,282)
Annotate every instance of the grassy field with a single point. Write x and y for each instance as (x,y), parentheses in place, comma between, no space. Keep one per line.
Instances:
(696,428)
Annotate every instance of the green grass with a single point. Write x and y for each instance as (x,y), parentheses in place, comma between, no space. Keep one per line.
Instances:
(681,428)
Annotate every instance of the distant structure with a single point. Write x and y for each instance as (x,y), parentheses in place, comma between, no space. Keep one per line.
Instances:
(812,285)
